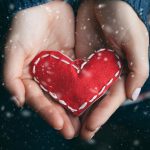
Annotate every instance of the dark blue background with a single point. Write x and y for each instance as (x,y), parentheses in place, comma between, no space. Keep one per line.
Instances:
(127,129)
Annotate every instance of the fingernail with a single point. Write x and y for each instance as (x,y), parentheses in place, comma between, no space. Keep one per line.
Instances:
(16,101)
(135,94)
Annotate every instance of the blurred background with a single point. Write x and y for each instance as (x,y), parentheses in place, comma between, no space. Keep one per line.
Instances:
(127,129)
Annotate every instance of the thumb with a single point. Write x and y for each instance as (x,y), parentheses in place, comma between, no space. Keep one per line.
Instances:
(138,64)
(13,65)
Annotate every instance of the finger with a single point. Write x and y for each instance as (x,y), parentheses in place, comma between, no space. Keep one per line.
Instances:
(132,38)
(13,66)
(67,131)
(104,110)
(75,122)
(38,101)
(138,63)
(88,33)
(71,123)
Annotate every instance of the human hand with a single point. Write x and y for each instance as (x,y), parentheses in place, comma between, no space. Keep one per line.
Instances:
(115,25)
(46,27)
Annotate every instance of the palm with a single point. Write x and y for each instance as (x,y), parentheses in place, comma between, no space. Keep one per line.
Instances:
(46,27)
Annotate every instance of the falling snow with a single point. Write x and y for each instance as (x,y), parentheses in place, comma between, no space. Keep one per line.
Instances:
(11,6)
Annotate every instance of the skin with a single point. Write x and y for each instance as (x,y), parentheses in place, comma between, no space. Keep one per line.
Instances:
(32,31)
(40,28)
(112,24)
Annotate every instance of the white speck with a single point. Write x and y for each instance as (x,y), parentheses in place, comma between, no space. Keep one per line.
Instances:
(91,141)
(2,56)
(46,64)
(136,142)
(26,113)
(132,75)
(9,115)
(84,27)
(86,73)
(57,17)
(101,6)
(2,108)
(116,31)
(90,44)
(11,6)
(49,80)
(10,41)
(131,63)
(122,28)
(105,59)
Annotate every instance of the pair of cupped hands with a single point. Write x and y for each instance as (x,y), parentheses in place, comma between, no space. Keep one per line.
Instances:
(53,26)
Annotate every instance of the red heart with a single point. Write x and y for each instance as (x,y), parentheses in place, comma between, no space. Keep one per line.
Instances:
(76,85)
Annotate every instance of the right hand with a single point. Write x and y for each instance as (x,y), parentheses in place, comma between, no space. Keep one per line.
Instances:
(45,27)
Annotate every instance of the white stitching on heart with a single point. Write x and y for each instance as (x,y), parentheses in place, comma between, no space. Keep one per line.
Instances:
(83,64)
(117,56)
(45,55)
(92,99)
(110,81)
(53,56)
(66,62)
(119,64)
(74,66)
(117,74)
(43,88)
(37,61)
(34,70)
(102,90)
(90,56)
(73,110)
(36,79)
(83,106)
(62,102)
(78,70)
(53,95)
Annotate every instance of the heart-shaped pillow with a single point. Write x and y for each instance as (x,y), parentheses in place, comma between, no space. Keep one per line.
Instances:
(76,85)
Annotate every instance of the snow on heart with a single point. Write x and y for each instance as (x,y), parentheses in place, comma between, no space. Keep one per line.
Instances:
(77,84)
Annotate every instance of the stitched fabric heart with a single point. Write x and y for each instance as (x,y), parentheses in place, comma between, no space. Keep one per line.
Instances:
(76,85)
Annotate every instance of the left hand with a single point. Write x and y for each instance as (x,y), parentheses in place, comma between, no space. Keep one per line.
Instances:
(115,25)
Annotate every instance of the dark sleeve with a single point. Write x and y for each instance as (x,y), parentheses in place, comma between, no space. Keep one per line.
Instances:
(13,6)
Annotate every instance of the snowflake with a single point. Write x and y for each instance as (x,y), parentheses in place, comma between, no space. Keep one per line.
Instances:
(2,108)
(11,6)
(136,142)
(9,114)
(26,113)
